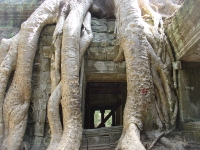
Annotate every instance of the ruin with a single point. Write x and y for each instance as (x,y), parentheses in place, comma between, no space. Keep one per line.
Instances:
(104,84)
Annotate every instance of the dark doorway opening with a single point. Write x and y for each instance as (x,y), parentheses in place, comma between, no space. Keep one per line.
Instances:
(104,104)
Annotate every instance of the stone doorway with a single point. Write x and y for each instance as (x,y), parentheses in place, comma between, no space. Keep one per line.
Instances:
(104,104)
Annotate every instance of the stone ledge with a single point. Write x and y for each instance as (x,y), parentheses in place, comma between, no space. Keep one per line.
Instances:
(92,66)
(101,138)
(184,32)
(191,131)
(15,15)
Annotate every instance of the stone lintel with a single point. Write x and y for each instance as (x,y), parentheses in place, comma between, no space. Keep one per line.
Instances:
(105,71)
(191,50)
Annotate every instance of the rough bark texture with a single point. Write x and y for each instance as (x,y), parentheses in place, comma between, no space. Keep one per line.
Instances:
(54,118)
(148,64)
(71,102)
(132,42)
(146,47)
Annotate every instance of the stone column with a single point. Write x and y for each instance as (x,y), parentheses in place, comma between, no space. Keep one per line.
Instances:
(102,116)
(92,111)
(113,119)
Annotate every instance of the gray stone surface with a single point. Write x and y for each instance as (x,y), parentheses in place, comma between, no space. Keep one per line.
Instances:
(184,32)
(8,32)
(13,2)
(103,47)
(92,66)
(14,14)
(189,94)
(189,101)
(101,139)
(37,132)
(191,131)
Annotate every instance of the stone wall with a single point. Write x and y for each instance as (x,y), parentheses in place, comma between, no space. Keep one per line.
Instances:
(13,13)
(189,92)
(184,32)
(38,132)
(99,64)
(184,35)
(189,103)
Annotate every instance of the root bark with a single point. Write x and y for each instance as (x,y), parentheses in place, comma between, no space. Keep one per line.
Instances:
(150,50)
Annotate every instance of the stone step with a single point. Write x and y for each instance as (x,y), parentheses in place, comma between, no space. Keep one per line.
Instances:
(193,145)
(101,139)
(191,131)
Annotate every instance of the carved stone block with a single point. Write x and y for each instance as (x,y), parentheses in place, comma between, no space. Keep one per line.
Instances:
(111,26)
(84,143)
(46,40)
(47,51)
(39,129)
(100,37)
(98,141)
(48,30)
(45,65)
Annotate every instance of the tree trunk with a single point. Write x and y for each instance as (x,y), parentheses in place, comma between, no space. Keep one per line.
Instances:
(146,55)
(139,83)
(71,102)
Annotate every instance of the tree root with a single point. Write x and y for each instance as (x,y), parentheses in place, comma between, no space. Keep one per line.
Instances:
(146,8)
(160,57)
(139,82)
(130,139)
(70,59)
(7,66)
(54,101)
(54,118)
(120,56)
(4,48)
(158,138)
(20,89)
(86,36)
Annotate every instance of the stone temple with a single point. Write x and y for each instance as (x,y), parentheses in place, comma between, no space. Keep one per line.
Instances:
(104,81)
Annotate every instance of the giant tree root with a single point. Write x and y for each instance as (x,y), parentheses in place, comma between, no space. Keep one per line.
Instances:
(139,82)
(145,50)
(130,139)
(54,100)
(54,118)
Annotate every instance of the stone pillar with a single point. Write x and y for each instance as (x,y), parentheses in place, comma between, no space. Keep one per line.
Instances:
(92,111)
(113,119)
(102,116)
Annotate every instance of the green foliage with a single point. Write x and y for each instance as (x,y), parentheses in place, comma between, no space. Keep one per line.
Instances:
(10,35)
(109,121)
(97,118)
